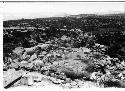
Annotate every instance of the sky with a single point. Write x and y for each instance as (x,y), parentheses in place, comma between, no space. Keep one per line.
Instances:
(18,10)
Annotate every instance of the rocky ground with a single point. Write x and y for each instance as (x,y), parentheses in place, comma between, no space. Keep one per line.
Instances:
(64,52)
(47,64)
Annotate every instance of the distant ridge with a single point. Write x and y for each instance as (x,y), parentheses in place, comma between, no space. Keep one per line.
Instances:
(97,15)
(80,16)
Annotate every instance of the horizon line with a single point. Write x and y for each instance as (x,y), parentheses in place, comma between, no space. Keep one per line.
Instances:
(68,15)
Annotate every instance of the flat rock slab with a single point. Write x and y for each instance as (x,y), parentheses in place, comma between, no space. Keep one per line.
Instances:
(40,77)
(11,76)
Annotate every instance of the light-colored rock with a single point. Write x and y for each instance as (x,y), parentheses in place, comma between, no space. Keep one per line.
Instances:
(52,74)
(44,53)
(38,62)
(44,46)
(11,76)
(25,56)
(94,76)
(31,77)
(32,50)
(73,83)
(68,80)
(33,57)
(17,53)
(30,81)
(56,81)
(18,50)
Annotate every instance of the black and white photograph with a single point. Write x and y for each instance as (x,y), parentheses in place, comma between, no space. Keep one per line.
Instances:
(63,44)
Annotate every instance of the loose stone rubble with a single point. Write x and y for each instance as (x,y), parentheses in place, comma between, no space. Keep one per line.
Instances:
(66,67)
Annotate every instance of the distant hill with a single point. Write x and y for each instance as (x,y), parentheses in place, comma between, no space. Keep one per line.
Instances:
(96,15)
(80,16)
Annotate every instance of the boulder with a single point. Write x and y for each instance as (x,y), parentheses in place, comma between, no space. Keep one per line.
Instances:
(44,46)
(23,64)
(18,50)
(56,81)
(17,53)
(32,50)
(38,63)
(33,57)
(29,66)
(44,53)
(14,65)
(11,76)
(37,77)
(25,56)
